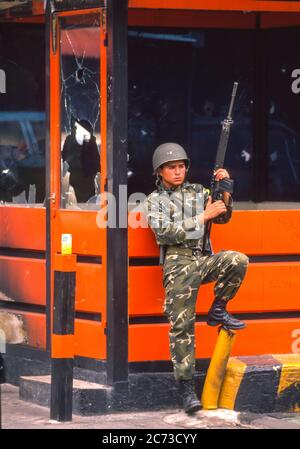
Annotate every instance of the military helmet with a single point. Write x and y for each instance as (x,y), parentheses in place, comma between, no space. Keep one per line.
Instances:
(168,152)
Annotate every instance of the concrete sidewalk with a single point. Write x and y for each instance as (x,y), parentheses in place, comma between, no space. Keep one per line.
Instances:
(18,414)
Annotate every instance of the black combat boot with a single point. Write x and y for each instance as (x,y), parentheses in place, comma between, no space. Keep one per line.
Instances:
(219,315)
(190,402)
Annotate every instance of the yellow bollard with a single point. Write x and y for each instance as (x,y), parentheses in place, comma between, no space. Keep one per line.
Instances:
(216,371)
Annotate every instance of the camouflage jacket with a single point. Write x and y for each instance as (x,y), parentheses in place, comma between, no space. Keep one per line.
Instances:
(171,214)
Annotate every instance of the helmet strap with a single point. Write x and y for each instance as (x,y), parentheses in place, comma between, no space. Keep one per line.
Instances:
(158,180)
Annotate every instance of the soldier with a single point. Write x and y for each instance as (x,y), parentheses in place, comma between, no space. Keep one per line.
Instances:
(187,264)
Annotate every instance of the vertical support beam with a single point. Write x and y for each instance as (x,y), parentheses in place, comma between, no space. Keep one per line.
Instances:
(47,157)
(62,347)
(260,115)
(117,239)
(2,380)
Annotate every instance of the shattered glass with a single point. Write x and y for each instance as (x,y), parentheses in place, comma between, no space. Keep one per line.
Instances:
(80,111)
(22,115)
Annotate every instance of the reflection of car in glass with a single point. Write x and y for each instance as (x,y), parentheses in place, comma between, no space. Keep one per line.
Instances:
(22,154)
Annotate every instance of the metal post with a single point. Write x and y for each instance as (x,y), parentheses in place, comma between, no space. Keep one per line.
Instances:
(117,239)
(216,371)
(62,347)
(2,380)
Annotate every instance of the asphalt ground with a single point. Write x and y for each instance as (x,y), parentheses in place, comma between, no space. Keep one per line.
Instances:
(19,414)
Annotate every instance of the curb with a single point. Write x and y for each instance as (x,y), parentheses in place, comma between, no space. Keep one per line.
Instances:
(262,384)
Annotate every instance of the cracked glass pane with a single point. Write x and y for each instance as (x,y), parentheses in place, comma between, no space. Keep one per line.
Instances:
(22,115)
(80,111)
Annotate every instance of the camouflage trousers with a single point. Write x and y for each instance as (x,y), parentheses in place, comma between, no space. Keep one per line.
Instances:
(183,276)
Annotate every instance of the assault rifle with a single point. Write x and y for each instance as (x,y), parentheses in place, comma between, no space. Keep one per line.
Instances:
(217,188)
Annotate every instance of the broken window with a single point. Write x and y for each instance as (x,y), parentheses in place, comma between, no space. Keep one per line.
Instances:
(22,115)
(80,111)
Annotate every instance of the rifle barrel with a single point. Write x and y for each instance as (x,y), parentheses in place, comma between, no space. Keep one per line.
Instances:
(235,86)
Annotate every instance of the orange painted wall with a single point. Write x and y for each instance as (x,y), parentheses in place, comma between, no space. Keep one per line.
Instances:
(23,227)
(89,339)
(260,337)
(219,5)
(251,232)
(23,280)
(268,287)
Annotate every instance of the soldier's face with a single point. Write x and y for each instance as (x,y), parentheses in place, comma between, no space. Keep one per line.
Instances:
(173,173)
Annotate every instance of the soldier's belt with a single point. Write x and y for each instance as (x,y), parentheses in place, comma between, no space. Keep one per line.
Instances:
(188,252)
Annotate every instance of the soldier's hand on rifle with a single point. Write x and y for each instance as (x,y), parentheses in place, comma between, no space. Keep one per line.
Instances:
(213,209)
(221,173)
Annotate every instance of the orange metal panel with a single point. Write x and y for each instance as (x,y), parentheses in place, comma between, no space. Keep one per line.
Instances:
(78,12)
(276,336)
(281,232)
(90,289)
(23,280)
(267,287)
(260,232)
(35,325)
(35,328)
(30,19)
(62,346)
(243,233)
(38,7)
(150,341)
(195,19)
(23,227)
(64,262)
(90,340)
(210,19)
(87,237)
(145,291)
(274,20)
(221,5)
(141,241)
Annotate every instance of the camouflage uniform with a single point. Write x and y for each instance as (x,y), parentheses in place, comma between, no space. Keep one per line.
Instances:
(187,266)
